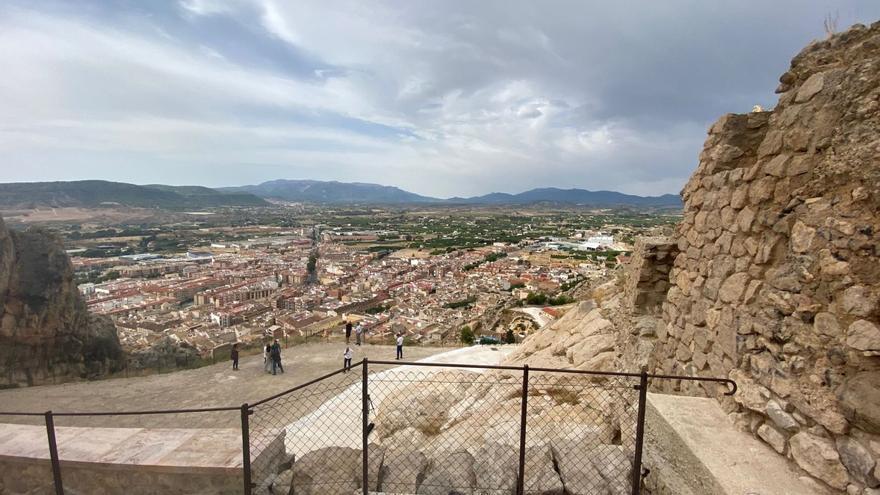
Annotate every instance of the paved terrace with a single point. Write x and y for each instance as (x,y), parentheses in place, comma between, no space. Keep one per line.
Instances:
(211,386)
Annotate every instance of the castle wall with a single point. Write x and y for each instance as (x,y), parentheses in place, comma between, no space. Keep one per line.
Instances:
(777,277)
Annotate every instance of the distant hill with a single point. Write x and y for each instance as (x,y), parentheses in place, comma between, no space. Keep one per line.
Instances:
(342,192)
(574,196)
(93,193)
(331,192)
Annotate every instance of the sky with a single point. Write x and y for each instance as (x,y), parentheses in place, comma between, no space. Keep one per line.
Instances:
(439,97)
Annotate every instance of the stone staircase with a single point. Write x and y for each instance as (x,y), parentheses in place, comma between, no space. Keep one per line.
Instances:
(691,448)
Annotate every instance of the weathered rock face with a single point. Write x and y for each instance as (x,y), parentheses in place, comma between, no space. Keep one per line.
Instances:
(775,279)
(46,333)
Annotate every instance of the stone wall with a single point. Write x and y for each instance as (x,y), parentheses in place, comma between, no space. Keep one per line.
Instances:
(647,279)
(777,277)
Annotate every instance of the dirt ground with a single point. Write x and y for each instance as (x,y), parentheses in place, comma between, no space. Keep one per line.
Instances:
(211,386)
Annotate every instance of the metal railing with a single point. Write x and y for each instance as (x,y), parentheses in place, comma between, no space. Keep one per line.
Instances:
(432,427)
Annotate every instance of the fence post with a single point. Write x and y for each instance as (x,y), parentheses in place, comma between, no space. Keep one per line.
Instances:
(520,482)
(640,434)
(53,454)
(365,416)
(246,447)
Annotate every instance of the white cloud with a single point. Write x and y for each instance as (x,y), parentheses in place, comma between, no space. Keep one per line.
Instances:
(443,98)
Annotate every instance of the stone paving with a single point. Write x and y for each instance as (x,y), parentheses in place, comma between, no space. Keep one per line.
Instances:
(210,386)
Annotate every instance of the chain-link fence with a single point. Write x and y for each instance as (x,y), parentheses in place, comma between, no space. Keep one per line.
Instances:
(309,439)
(444,429)
(416,428)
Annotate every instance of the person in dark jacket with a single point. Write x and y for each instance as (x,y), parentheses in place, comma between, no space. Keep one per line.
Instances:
(276,358)
(235,357)
(347,332)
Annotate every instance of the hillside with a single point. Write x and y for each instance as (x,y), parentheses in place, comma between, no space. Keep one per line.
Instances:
(574,196)
(330,192)
(342,192)
(94,193)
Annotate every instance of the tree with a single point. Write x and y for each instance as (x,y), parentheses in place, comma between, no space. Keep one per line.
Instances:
(509,338)
(536,299)
(467,335)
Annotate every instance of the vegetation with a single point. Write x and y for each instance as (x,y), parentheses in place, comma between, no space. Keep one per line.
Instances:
(486,259)
(541,299)
(467,335)
(377,309)
(509,337)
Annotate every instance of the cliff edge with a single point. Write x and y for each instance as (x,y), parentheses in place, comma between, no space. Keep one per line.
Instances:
(46,332)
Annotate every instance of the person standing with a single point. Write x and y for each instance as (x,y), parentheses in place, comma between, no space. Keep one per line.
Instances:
(358,331)
(276,358)
(399,346)
(234,357)
(267,358)
(346,359)
(347,332)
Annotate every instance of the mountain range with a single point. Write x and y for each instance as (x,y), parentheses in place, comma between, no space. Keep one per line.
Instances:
(356,192)
(95,193)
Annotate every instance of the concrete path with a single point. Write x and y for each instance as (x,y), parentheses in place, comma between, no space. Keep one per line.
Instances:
(211,386)
(696,450)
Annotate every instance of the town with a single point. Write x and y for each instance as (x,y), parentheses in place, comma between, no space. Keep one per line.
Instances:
(437,278)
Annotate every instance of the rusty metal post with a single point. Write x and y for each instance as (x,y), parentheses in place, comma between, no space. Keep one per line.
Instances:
(521,473)
(640,433)
(246,447)
(53,453)
(365,417)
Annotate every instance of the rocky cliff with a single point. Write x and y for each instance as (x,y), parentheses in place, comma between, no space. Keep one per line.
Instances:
(46,333)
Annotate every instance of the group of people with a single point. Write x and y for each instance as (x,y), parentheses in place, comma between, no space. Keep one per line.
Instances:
(358,332)
(271,358)
(272,352)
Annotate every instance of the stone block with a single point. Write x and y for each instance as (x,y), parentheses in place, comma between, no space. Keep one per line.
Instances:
(859,301)
(863,335)
(860,400)
(826,324)
(817,456)
(773,437)
(402,469)
(452,473)
(781,418)
(858,461)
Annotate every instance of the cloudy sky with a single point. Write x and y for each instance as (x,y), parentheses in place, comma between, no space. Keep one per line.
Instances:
(441,97)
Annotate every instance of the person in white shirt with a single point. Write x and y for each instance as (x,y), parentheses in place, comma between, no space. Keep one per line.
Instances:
(399,346)
(346,359)
(358,332)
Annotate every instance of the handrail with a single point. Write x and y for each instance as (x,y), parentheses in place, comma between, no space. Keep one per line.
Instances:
(730,383)
(124,413)
(303,385)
